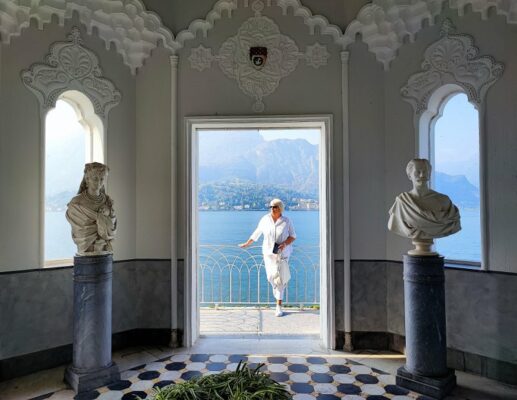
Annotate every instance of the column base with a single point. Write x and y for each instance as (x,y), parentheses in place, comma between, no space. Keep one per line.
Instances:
(84,381)
(436,388)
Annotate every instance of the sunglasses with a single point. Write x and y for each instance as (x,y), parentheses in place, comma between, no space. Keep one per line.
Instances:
(273,207)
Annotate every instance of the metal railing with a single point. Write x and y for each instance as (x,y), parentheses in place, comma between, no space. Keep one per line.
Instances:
(229,275)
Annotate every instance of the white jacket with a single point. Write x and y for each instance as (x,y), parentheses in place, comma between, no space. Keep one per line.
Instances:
(274,232)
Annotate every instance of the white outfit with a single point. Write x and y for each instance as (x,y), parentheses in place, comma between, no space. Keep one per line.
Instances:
(277,267)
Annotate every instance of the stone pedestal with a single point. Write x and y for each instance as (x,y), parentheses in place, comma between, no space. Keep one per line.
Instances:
(426,369)
(92,365)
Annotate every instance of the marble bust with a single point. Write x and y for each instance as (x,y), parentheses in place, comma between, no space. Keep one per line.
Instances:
(91,213)
(423,214)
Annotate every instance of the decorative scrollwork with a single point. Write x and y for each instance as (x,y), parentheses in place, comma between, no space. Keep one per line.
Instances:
(69,66)
(452,60)
(282,58)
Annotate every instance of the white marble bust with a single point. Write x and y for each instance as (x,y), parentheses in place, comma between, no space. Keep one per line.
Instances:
(91,213)
(423,214)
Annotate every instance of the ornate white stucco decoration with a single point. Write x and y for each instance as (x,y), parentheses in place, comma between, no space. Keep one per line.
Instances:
(281,59)
(71,66)
(125,23)
(226,7)
(453,59)
(385,24)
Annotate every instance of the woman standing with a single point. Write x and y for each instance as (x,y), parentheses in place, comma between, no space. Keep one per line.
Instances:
(278,234)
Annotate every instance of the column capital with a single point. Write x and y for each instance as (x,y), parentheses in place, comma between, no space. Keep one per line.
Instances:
(174,59)
(345,57)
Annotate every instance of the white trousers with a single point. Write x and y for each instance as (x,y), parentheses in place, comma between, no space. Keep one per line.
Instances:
(277,272)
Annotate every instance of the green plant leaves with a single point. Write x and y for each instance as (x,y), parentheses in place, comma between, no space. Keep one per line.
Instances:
(242,384)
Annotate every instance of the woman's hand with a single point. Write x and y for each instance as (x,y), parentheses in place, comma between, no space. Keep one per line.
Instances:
(287,242)
(244,245)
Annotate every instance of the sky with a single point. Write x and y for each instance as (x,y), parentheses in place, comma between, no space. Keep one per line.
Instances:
(457,140)
(311,135)
(65,148)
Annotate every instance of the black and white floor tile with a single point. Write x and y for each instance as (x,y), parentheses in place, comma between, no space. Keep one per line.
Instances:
(307,377)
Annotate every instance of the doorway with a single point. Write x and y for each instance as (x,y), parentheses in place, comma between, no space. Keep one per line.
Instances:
(226,291)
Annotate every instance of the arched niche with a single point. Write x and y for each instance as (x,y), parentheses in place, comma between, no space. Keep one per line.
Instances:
(452,65)
(72,73)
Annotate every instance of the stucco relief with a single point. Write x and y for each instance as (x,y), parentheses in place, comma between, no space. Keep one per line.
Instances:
(453,59)
(258,57)
(71,66)
(127,24)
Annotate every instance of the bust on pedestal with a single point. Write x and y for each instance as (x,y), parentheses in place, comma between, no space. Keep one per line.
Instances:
(423,215)
(94,224)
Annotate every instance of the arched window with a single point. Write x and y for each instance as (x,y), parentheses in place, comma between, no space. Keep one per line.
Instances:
(73,137)
(451,125)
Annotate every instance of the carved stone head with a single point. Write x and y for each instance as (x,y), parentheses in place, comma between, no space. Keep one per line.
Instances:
(95,174)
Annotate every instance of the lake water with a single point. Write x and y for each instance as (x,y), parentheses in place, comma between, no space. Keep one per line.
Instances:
(221,231)
(229,274)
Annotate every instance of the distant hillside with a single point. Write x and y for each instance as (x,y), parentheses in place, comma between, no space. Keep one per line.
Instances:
(458,188)
(247,157)
(238,195)
(58,201)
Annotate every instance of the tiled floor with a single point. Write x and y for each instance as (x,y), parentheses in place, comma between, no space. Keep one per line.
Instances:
(311,372)
(307,377)
(258,321)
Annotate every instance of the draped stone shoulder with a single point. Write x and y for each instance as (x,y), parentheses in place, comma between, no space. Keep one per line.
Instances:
(93,221)
(424,217)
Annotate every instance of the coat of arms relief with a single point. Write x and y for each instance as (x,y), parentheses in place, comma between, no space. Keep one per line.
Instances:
(259,56)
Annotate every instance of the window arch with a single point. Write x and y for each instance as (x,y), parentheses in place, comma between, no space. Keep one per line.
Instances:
(441,76)
(74,135)
(450,138)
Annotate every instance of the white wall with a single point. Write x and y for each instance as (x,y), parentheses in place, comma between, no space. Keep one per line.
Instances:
(153,158)
(367,156)
(305,91)
(492,37)
(20,140)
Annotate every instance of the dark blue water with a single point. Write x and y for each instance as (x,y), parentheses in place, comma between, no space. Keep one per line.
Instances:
(229,274)
(233,227)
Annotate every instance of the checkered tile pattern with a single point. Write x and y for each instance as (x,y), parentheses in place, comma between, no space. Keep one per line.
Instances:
(308,378)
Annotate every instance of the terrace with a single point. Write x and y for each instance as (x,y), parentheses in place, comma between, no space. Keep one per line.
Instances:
(236,298)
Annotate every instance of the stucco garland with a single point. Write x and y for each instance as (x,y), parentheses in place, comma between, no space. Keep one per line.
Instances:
(125,23)
(223,7)
(383,25)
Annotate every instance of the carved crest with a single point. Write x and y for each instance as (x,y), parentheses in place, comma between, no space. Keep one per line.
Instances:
(452,60)
(71,66)
(258,56)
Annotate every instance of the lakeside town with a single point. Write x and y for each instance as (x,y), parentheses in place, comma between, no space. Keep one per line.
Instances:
(293,204)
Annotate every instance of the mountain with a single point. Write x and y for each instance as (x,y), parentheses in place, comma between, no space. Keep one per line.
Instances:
(458,188)
(291,164)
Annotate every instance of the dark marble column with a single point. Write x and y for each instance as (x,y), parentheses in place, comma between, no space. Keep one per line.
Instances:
(426,369)
(92,365)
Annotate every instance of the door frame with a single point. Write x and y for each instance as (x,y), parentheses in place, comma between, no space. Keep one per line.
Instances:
(322,122)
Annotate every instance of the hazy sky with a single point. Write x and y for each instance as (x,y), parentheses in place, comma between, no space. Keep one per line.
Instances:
(311,135)
(457,140)
(65,148)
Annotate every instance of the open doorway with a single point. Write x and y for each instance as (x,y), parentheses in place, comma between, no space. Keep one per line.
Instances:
(237,167)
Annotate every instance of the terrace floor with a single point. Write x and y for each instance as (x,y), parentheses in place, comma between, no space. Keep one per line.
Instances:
(145,367)
(248,321)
